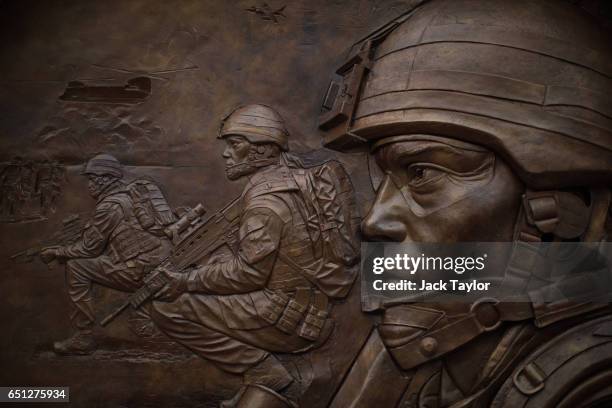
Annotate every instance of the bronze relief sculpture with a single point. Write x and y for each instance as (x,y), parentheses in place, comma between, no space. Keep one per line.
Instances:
(486,129)
(477,121)
(123,240)
(272,294)
(268,289)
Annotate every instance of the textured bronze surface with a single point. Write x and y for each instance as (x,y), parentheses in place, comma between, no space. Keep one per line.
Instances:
(486,122)
(199,192)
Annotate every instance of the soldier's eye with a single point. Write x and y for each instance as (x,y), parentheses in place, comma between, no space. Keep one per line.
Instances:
(419,174)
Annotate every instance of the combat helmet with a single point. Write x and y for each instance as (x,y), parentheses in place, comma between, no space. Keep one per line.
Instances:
(103,164)
(258,124)
(530,80)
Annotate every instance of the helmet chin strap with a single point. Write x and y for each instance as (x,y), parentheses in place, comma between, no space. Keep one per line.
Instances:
(254,163)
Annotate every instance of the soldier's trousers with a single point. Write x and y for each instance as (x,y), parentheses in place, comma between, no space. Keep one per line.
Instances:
(196,321)
(81,273)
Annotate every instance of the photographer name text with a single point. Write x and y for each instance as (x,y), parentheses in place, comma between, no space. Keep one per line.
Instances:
(452,285)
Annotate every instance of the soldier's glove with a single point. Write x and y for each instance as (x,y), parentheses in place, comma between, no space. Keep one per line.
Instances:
(176,286)
(50,254)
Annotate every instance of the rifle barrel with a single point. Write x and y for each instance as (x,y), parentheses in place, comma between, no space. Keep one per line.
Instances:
(116,313)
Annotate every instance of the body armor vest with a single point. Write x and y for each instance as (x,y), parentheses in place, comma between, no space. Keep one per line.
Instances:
(129,240)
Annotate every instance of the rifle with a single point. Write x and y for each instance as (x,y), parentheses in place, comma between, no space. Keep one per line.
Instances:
(195,240)
(70,232)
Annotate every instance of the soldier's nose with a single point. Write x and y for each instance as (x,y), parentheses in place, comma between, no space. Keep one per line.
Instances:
(377,227)
(386,219)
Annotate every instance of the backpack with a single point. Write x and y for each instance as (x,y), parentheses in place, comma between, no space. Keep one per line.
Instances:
(150,206)
(333,223)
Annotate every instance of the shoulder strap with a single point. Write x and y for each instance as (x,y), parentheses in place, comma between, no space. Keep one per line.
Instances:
(267,185)
(124,201)
(307,274)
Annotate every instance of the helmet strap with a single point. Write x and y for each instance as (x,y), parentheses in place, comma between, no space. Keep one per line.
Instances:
(255,163)
(560,213)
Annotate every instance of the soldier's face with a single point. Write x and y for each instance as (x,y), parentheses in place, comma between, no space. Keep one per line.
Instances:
(236,155)
(96,184)
(441,190)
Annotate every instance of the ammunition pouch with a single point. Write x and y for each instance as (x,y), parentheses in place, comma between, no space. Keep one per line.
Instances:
(294,312)
(305,313)
(315,319)
(278,302)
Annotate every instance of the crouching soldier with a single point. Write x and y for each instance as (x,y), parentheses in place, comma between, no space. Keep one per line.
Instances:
(123,241)
(272,295)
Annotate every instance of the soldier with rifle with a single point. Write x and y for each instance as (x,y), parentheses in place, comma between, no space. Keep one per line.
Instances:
(123,241)
(271,295)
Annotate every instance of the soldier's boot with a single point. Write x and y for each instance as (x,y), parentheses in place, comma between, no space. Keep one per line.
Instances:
(263,383)
(80,343)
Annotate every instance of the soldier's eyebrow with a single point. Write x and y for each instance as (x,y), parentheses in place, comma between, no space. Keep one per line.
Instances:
(403,150)
(235,139)
(404,153)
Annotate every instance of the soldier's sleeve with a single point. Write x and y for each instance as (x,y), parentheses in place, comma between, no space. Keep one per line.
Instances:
(96,233)
(260,234)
